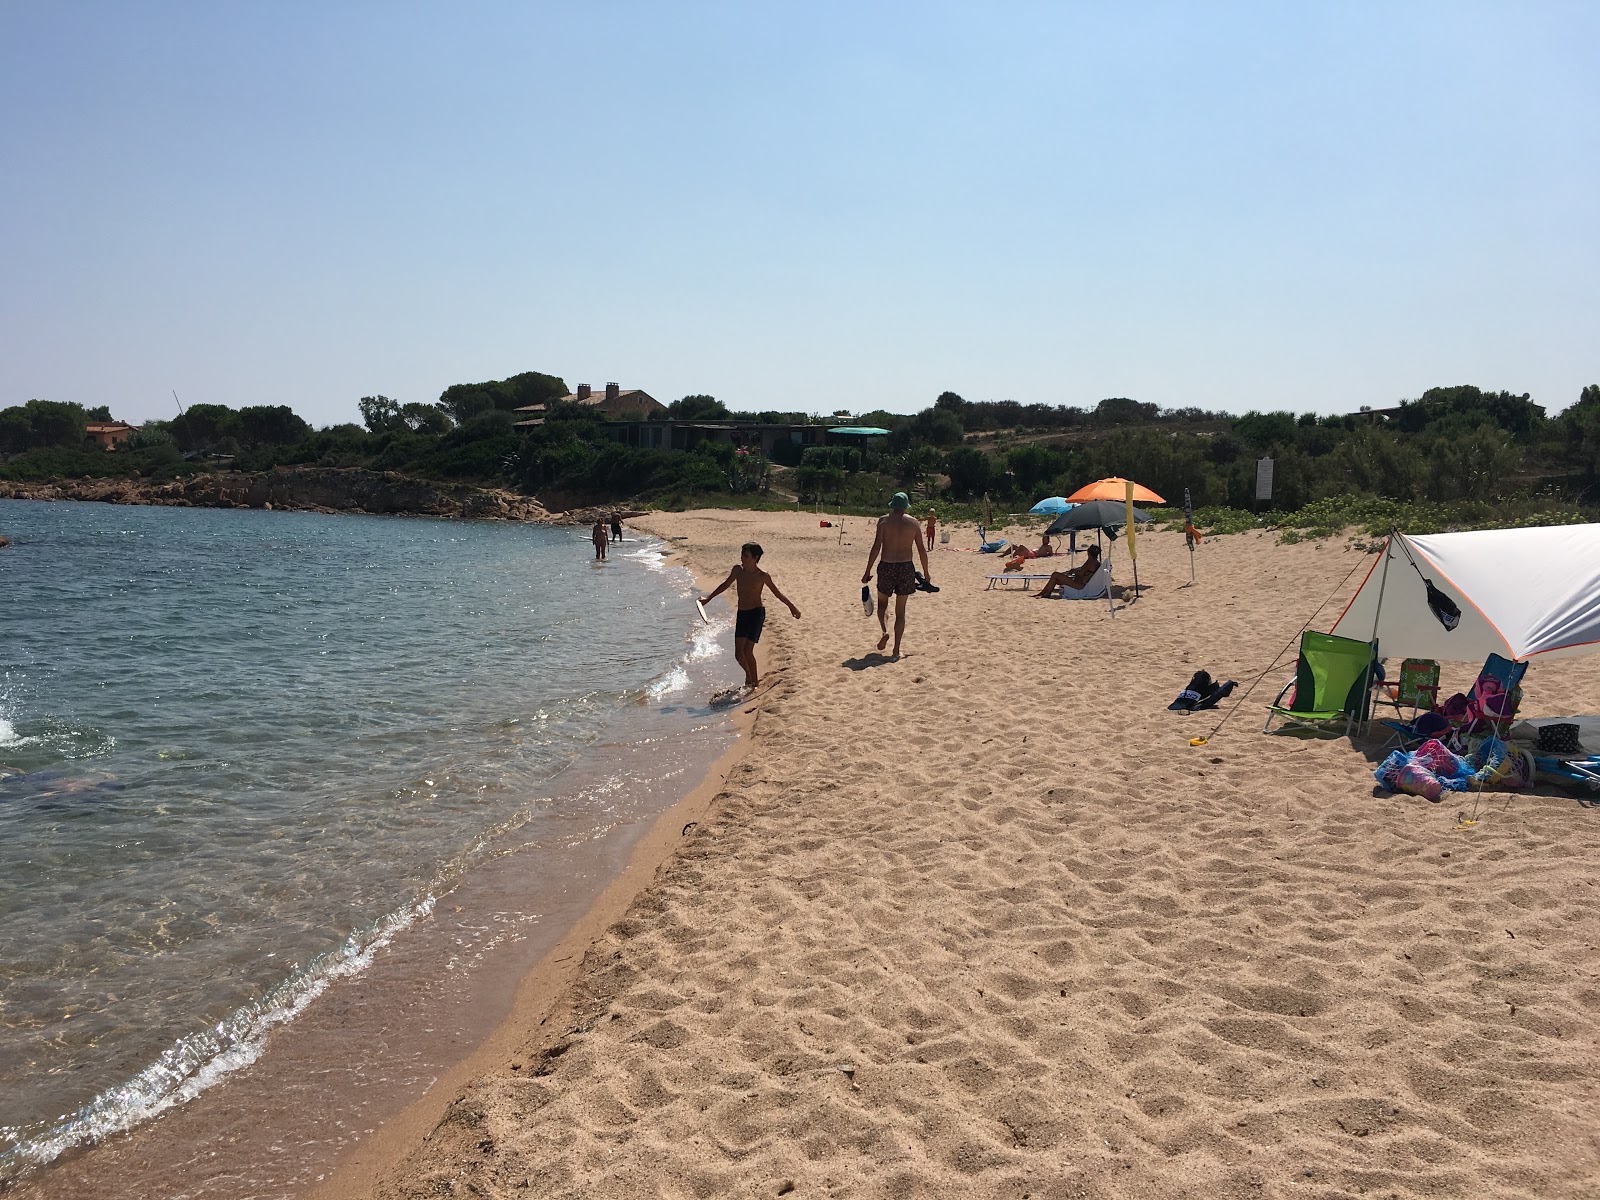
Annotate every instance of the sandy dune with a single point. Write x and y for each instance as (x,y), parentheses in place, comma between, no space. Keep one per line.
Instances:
(981,922)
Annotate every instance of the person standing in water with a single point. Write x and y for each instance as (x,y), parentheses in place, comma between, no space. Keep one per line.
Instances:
(750,579)
(598,536)
(616,527)
(898,534)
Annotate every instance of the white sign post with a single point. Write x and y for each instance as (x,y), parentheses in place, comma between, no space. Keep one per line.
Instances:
(1264,479)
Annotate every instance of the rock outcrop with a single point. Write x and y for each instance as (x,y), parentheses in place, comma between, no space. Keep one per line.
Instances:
(314,489)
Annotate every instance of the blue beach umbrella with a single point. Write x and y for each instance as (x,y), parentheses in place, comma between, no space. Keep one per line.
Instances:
(1051,504)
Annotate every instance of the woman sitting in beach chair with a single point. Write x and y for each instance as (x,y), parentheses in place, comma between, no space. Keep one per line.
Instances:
(1076,578)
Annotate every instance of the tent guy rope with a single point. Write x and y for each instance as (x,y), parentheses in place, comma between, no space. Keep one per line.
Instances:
(1201,741)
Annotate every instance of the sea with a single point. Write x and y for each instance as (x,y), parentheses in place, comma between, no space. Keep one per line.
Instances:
(253,761)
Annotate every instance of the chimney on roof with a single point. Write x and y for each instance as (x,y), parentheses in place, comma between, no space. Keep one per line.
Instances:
(611,392)
(583,392)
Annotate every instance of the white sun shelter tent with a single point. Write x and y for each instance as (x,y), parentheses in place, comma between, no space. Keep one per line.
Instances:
(1522,593)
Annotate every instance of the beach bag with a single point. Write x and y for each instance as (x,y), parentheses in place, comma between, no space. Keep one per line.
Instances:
(1429,771)
(1442,607)
(1559,739)
(1202,692)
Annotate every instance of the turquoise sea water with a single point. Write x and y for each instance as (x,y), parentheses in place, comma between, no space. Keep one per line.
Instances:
(240,750)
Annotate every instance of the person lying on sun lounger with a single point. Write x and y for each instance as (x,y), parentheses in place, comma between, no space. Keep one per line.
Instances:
(1045,550)
(1075,578)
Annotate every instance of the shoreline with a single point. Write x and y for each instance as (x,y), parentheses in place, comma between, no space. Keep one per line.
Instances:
(477,983)
(547,1001)
(334,491)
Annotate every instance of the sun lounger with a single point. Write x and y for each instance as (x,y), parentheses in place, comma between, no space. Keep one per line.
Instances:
(1026,580)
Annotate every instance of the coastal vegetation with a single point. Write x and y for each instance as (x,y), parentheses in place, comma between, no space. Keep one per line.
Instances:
(1453,456)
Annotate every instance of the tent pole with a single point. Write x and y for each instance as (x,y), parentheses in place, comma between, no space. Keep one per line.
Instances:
(1383,582)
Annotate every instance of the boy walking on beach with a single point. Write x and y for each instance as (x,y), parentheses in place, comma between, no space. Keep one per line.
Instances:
(898,533)
(749,579)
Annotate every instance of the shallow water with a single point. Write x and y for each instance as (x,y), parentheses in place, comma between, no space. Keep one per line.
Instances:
(246,749)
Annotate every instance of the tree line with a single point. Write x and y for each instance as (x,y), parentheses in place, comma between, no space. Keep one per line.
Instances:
(1450,443)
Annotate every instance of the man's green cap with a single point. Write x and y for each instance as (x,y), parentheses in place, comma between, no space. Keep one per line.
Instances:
(900,500)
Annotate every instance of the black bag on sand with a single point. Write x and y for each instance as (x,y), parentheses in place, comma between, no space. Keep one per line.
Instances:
(1202,692)
(1559,739)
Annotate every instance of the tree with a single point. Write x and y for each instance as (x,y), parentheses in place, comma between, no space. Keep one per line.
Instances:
(16,431)
(426,418)
(55,422)
(383,415)
(916,463)
(698,408)
(271,425)
(1119,410)
(971,472)
(1262,431)
(954,405)
(463,401)
(203,426)
(937,427)
(1032,467)
(101,412)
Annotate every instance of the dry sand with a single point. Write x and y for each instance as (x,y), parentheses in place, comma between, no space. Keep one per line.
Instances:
(981,922)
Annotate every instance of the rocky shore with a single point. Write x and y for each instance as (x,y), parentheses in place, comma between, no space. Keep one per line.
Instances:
(312,489)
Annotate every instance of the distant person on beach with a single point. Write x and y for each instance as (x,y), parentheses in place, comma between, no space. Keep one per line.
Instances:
(1076,578)
(1045,550)
(898,534)
(616,527)
(749,579)
(933,525)
(598,535)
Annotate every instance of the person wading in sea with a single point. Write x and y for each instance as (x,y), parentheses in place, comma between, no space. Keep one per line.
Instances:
(898,535)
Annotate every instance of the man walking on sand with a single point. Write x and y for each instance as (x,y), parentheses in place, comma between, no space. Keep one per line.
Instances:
(898,534)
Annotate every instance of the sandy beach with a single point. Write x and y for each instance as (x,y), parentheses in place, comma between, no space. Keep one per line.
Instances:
(982,922)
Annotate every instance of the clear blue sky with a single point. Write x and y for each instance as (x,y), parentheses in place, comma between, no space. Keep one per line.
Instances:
(802,206)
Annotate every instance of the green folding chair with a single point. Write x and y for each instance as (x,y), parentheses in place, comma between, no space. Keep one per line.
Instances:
(1332,680)
(1416,688)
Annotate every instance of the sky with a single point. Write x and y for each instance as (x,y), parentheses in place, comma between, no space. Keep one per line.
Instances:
(819,206)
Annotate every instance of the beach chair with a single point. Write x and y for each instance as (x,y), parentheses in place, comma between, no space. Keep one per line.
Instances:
(1491,705)
(1333,679)
(1585,772)
(1097,587)
(985,546)
(1408,735)
(1416,687)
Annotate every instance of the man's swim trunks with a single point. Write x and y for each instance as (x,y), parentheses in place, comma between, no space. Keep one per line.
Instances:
(749,622)
(896,579)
